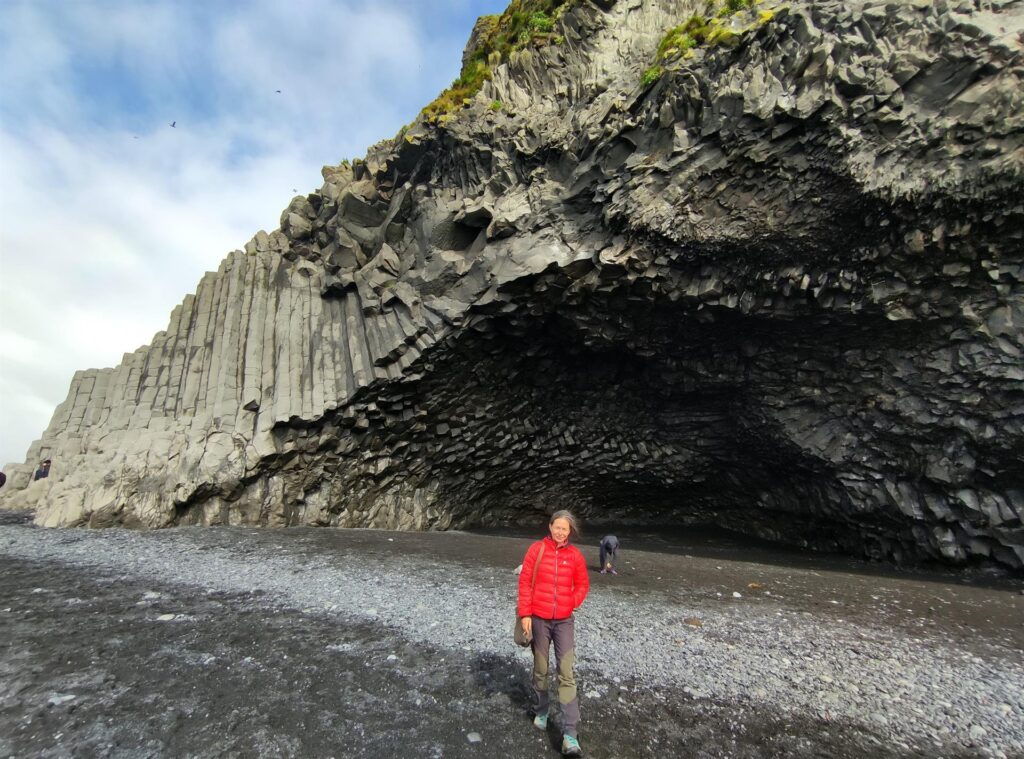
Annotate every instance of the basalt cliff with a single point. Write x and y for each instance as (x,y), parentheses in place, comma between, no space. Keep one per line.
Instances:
(758,265)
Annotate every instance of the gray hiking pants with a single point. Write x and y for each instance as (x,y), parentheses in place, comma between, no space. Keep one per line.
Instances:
(561,633)
(608,556)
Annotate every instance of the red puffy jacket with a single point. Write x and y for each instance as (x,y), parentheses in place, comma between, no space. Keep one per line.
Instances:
(562,581)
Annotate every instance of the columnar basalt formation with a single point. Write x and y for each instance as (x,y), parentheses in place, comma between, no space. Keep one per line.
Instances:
(775,284)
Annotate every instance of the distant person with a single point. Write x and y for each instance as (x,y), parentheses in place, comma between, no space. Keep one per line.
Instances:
(552,585)
(609,549)
(43,471)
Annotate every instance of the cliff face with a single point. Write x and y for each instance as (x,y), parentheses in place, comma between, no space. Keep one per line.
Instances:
(774,282)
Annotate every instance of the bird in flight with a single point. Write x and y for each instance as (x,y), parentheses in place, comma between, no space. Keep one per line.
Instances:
(173,123)
(278,91)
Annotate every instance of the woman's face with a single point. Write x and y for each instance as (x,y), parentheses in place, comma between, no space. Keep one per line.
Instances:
(560,530)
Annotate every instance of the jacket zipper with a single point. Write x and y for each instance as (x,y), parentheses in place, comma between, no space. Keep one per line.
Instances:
(554,593)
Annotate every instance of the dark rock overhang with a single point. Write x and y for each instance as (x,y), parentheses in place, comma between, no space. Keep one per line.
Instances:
(778,288)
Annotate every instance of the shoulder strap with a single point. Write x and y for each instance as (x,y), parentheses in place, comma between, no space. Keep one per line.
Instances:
(536,564)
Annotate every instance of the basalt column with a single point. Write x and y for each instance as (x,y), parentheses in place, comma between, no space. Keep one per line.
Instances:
(757,265)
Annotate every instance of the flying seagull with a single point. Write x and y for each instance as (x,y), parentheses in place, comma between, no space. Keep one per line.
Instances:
(173,123)
(278,91)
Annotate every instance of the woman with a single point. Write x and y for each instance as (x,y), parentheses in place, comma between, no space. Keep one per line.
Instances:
(550,590)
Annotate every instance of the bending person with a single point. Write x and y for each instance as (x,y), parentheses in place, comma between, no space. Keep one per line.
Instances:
(609,550)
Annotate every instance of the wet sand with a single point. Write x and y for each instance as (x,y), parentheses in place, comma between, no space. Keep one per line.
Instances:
(305,642)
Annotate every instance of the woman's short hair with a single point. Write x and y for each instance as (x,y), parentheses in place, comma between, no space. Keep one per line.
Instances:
(574,526)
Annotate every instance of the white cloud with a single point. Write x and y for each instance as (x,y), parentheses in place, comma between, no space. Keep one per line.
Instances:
(109,217)
(27,36)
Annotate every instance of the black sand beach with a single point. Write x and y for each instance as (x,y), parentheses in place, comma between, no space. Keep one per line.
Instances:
(365,643)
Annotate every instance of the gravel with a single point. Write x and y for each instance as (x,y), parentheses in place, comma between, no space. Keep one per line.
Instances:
(919,691)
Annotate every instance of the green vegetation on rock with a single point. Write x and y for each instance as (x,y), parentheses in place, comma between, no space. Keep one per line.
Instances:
(716,26)
(524,23)
(651,75)
(735,6)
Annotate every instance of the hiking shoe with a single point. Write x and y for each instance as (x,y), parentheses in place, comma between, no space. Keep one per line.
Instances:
(540,721)
(614,572)
(571,746)
(604,571)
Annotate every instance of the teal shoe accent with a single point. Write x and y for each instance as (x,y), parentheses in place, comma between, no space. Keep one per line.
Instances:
(571,746)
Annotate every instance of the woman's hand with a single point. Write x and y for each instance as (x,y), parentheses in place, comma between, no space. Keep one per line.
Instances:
(527,623)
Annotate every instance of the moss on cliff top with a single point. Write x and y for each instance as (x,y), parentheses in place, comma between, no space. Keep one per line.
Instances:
(717,25)
(524,22)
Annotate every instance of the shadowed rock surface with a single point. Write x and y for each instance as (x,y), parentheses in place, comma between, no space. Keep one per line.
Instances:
(778,289)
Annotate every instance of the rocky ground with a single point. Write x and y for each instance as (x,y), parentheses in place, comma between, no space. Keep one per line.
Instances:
(365,643)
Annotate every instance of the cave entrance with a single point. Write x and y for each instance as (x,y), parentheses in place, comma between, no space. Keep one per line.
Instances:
(656,421)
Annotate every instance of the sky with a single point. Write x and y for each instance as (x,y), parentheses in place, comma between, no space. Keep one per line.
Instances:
(109,215)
